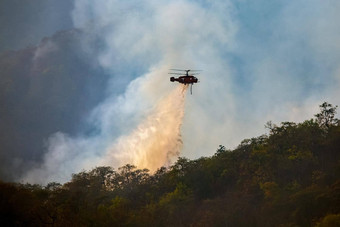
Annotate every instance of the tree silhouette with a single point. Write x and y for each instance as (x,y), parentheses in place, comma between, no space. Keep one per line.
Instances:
(326,117)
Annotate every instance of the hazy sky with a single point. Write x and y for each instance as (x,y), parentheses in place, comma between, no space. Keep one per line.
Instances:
(26,22)
(261,61)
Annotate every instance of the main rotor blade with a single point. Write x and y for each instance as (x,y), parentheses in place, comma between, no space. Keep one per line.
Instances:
(191,74)
(177,73)
(185,70)
(182,70)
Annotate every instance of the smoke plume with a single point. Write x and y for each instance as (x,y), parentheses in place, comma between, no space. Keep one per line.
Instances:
(261,62)
(150,139)
(142,124)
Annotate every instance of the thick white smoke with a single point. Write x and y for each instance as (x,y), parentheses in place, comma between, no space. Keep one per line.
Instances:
(152,137)
(143,125)
(261,62)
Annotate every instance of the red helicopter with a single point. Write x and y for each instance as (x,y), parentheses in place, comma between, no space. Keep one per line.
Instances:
(186,78)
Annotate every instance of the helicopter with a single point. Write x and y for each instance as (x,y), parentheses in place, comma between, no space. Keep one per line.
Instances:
(185,77)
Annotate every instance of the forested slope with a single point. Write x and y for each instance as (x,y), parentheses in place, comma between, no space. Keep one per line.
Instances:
(290,177)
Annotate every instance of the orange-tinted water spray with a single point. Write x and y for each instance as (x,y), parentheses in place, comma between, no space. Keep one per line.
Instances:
(157,140)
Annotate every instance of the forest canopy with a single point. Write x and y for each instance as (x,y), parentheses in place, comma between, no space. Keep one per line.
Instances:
(289,177)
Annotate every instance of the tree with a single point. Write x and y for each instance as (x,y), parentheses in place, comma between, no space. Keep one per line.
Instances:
(326,118)
(330,220)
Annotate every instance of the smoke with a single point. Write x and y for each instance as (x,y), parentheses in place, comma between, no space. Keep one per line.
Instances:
(261,62)
(153,141)
(142,125)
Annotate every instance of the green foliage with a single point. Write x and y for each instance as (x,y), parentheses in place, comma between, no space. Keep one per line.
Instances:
(290,177)
(331,220)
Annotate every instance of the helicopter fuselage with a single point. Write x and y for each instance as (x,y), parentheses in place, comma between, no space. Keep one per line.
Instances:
(185,79)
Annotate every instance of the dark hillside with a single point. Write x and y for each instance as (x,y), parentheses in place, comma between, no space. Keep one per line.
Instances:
(290,177)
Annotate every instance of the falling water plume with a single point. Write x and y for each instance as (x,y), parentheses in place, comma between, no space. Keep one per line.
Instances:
(157,140)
